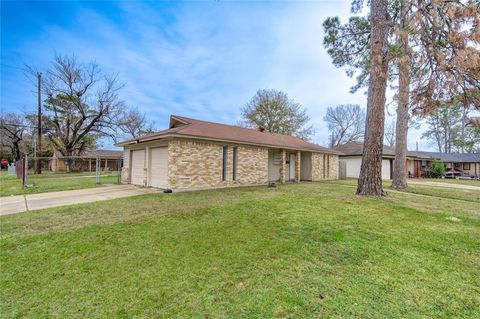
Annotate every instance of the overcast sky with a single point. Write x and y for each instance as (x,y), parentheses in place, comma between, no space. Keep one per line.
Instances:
(197,59)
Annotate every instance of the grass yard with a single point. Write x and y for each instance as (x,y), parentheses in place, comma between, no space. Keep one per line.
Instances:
(295,251)
(427,190)
(50,182)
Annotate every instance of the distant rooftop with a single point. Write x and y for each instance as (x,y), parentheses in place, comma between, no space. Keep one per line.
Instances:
(355,148)
(103,153)
(452,157)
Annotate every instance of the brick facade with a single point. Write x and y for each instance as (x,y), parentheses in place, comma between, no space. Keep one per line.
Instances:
(198,164)
(324,166)
(333,167)
(125,175)
(297,166)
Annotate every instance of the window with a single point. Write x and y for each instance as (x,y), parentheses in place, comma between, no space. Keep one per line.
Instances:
(466,166)
(456,165)
(324,169)
(328,166)
(234,169)
(277,158)
(224,168)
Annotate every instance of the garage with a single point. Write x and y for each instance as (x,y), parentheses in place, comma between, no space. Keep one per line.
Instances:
(158,167)
(137,165)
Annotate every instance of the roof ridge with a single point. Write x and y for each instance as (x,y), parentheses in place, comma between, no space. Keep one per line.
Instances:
(211,122)
(241,127)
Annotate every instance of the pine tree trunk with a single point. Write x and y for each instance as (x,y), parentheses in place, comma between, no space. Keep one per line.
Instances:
(370,180)
(399,167)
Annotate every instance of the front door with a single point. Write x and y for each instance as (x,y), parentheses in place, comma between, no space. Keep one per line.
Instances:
(292,167)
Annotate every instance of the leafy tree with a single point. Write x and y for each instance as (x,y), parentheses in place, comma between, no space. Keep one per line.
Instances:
(362,46)
(370,179)
(438,63)
(349,46)
(448,35)
(346,123)
(275,112)
(403,59)
(451,130)
(433,47)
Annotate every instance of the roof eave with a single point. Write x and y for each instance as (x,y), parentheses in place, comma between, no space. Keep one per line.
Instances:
(161,136)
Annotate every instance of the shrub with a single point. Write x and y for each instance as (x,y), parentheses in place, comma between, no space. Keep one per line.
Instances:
(438,169)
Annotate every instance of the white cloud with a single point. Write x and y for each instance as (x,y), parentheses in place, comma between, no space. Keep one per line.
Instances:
(206,60)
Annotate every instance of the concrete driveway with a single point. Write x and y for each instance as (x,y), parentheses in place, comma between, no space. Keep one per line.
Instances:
(21,203)
(444,184)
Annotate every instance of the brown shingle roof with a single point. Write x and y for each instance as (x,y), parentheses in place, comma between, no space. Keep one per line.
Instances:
(355,148)
(451,157)
(187,127)
(103,153)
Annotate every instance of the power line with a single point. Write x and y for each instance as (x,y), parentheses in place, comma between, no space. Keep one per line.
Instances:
(39,128)
(27,126)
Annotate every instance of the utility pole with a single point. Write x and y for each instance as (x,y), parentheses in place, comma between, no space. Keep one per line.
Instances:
(39,131)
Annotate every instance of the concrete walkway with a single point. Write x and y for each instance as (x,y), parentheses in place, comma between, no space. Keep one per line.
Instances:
(440,184)
(21,203)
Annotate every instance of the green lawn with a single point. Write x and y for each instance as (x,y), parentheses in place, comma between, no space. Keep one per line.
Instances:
(295,251)
(436,191)
(50,182)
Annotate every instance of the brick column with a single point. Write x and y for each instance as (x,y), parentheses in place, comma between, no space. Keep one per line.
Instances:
(297,167)
(283,158)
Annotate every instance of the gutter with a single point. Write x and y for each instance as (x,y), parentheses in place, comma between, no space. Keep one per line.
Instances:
(152,138)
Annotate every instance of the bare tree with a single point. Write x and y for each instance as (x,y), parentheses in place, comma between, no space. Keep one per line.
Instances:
(82,104)
(276,113)
(346,123)
(390,134)
(12,129)
(134,123)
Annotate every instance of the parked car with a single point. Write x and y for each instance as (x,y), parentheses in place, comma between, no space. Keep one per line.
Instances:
(452,175)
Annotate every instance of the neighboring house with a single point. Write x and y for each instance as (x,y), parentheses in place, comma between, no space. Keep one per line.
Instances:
(352,156)
(195,154)
(466,164)
(108,161)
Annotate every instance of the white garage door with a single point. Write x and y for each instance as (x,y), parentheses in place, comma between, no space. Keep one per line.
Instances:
(386,169)
(137,162)
(158,167)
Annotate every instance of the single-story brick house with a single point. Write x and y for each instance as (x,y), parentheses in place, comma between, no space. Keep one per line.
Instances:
(195,154)
(352,156)
(466,164)
(110,160)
